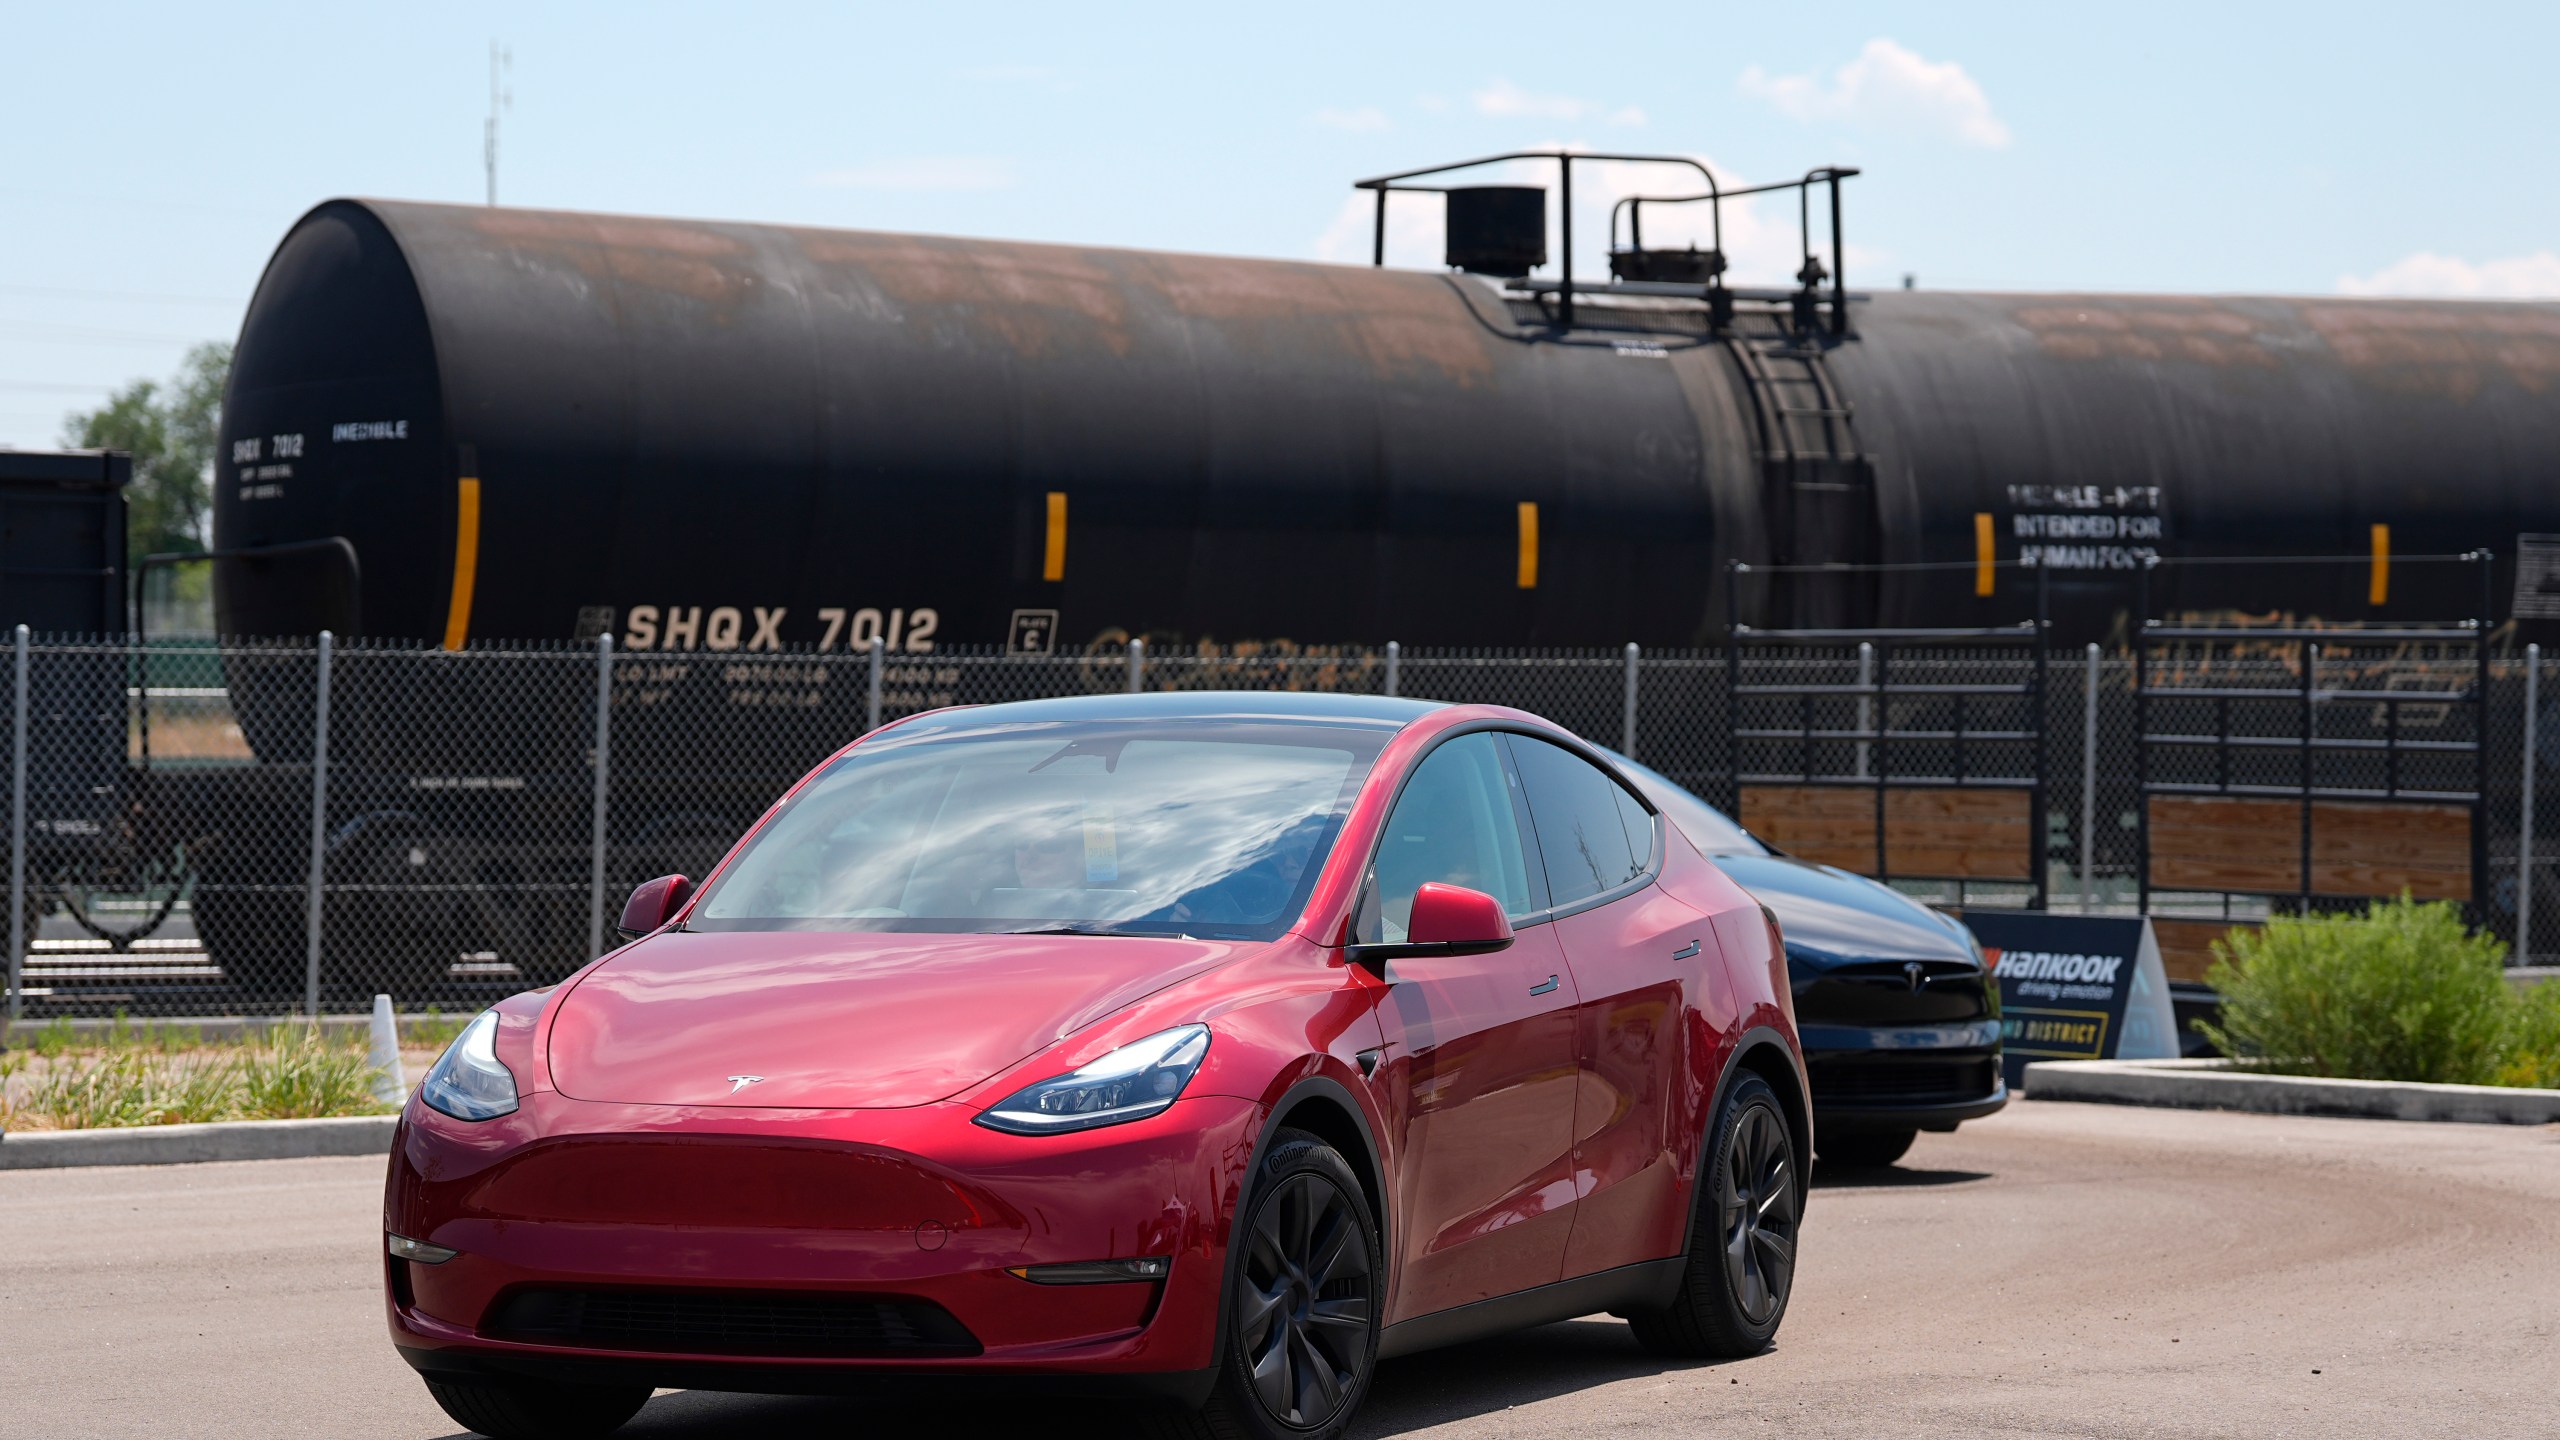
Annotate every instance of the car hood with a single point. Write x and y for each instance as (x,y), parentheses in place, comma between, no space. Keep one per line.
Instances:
(833,1020)
(1830,916)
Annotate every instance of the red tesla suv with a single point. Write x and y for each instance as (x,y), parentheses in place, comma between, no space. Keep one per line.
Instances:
(1209,1046)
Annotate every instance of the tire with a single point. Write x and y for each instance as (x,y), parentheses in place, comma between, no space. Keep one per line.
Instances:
(1301,1305)
(1742,1240)
(1867,1147)
(527,1410)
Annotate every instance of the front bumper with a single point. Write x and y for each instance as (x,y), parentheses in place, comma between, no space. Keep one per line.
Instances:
(1903,1077)
(758,1249)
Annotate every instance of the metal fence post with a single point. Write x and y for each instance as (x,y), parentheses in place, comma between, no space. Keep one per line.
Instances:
(1137,666)
(319,829)
(1395,653)
(1627,722)
(604,772)
(16,844)
(1866,702)
(876,659)
(2524,833)
(2089,779)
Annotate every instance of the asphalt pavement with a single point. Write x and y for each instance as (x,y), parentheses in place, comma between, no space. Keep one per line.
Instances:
(2058,1270)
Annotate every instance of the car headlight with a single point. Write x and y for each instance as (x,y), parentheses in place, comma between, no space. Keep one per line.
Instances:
(1139,1079)
(469,1082)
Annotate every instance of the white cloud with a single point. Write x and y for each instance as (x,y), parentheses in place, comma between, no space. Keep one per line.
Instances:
(1508,101)
(1887,87)
(1356,120)
(923,172)
(2447,277)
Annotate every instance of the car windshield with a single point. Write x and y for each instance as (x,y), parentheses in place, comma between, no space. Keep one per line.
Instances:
(1198,827)
(1707,827)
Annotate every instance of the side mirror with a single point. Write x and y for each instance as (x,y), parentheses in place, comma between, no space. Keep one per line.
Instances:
(651,905)
(1446,920)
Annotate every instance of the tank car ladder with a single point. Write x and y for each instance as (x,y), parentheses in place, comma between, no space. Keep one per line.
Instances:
(1819,482)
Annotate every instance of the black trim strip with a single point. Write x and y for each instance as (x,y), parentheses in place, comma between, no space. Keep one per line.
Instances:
(1644,1286)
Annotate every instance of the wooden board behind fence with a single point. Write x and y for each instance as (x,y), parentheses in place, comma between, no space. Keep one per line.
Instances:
(2358,847)
(1940,833)
(2186,946)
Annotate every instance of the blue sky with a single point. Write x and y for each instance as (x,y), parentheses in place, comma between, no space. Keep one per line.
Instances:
(152,155)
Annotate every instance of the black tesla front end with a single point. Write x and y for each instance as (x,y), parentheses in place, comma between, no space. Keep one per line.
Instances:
(1901,1021)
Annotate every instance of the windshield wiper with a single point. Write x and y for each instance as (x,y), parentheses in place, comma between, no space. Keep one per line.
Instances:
(1063,929)
(1072,929)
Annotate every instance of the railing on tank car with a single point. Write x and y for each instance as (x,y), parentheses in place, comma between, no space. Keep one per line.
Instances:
(1499,230)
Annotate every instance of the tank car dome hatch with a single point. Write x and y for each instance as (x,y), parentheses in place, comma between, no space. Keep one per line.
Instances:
(1497,229)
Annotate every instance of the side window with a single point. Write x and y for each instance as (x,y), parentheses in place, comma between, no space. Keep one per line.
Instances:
(1639,823)
(1454,823)
(1580,830)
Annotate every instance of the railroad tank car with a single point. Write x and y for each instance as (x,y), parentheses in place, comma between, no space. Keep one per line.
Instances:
(459,427)
(716,437)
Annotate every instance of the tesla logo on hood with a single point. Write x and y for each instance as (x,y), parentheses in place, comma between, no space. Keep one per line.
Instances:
(741,1082)
(1915,974)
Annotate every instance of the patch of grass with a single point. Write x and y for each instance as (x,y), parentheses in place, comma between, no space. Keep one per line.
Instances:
(433,1030)
(56,1039)
(293,1075)
(2400,992)
(167,1076)
(126,1088)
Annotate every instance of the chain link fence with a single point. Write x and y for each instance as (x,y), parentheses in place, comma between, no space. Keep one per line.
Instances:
(232,828)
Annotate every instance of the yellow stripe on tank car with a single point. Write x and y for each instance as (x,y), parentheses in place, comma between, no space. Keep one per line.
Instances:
(466,561)
(1982,552)
(1528,544)
(2380,590)
(1053,556)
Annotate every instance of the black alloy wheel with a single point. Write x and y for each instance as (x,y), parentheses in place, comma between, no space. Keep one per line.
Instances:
(1303,1311)
(1302,1303)
(1756,1215)
(1742,1237)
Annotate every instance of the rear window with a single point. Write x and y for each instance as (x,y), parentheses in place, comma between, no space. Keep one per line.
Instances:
(1205,828)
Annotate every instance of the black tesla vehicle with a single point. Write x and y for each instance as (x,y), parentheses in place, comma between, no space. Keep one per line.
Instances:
(1900,1017)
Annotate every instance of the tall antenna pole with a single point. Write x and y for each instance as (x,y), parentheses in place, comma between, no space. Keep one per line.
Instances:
(501,64)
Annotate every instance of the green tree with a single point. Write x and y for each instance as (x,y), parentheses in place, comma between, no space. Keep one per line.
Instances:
(171,430)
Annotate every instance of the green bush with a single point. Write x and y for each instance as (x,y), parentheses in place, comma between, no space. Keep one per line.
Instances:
(2533,1044)
(2401,992)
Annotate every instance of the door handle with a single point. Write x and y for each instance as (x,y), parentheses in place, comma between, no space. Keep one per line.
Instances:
(1543,989)
(1685,951)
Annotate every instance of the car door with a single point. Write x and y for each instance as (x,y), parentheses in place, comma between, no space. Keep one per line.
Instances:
(1638,955)
(1479,1069)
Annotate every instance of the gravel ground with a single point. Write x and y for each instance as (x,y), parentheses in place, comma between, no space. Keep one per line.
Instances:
(2057,1270)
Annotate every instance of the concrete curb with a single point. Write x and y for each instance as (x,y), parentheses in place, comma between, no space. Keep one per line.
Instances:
(2215,1085)
(196,1144)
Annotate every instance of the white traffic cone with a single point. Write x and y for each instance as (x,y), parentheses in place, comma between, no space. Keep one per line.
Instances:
(389,1085)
